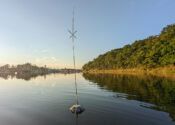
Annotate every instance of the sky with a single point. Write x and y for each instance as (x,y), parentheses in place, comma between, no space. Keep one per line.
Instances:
(36,31)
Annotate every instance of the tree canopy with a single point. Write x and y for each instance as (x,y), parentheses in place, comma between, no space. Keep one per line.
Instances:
(153,51)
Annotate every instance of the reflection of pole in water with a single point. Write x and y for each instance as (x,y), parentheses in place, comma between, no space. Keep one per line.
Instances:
(45,76)
(75,108)
(76,119)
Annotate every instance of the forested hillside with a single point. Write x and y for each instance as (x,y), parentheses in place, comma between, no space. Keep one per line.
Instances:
(151,52)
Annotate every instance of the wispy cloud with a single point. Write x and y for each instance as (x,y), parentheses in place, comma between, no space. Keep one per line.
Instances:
(52,62)
(44,51)
(41,51)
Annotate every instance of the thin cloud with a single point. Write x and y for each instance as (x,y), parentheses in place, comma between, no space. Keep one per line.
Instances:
(51,62)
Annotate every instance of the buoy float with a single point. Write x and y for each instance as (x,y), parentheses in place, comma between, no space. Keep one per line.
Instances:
(77,109)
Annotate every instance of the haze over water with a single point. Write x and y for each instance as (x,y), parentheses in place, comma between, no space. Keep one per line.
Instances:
(108,100)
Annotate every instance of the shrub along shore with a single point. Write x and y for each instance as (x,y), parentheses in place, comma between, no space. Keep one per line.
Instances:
(165,71)
(154,55)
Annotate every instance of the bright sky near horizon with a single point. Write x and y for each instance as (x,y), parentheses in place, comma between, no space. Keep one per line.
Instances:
(36,31)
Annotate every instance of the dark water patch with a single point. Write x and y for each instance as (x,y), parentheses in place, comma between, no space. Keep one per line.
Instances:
(153,90)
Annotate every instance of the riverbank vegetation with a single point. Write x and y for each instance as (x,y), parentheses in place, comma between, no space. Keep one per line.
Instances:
(28,71)
(26,68)
(166,71)
(155,54)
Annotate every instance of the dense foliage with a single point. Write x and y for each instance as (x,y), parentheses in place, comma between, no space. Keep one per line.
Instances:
(153,51)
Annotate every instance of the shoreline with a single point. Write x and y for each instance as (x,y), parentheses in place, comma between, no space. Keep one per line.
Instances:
(165,72)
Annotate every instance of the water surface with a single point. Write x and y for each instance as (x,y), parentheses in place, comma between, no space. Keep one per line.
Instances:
(108,100)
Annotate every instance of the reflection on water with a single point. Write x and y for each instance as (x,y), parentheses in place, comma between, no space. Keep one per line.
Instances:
(24,76)
(158,91)
(109,100)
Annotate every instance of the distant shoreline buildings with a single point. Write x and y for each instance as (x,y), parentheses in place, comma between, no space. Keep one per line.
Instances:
(28,69)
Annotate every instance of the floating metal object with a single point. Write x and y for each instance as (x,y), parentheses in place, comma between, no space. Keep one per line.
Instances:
(77,109)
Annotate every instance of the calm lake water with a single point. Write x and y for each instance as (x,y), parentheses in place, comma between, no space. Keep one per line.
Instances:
(108,100)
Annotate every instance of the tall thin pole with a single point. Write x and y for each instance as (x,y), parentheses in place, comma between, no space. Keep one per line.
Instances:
(73,48)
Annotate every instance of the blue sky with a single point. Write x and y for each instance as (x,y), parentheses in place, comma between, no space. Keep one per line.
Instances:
(36,30)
